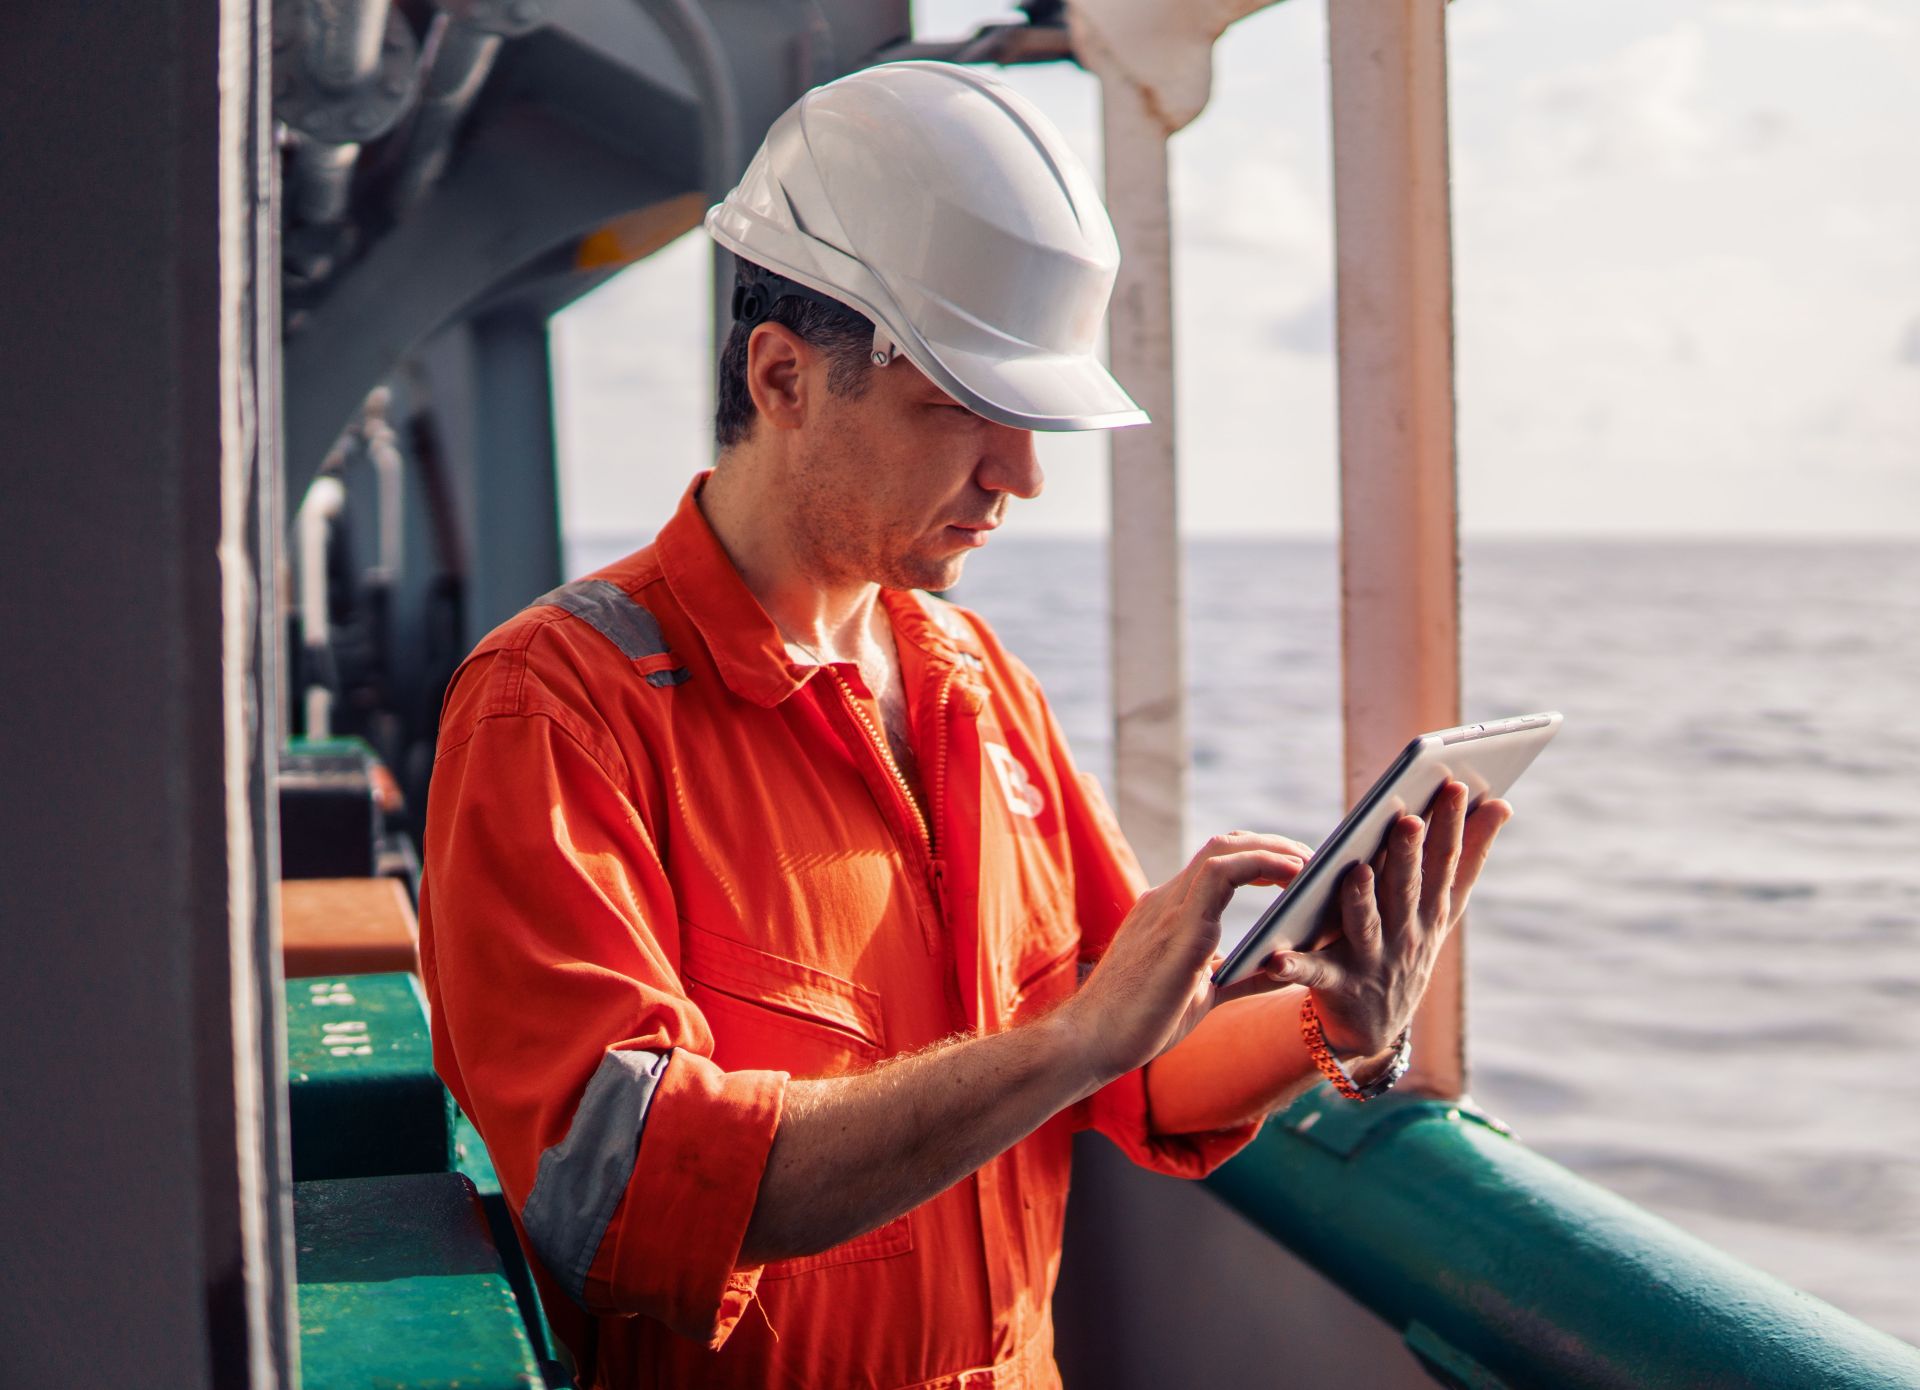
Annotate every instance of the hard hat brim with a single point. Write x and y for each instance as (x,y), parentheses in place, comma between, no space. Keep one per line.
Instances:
(1034,391)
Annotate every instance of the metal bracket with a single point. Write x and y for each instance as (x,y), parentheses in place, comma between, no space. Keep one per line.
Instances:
(340,116)
(1343,1128)
(510,19)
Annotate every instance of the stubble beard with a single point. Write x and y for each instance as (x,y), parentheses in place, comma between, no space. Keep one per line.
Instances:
(890,564)
(838,546)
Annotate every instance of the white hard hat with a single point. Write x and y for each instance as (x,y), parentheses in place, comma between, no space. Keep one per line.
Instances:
(944,206)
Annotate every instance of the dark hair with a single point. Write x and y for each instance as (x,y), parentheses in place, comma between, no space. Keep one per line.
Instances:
(843,334)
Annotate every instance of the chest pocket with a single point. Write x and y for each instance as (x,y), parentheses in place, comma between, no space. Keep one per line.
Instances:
(768,1012)
(771,1013)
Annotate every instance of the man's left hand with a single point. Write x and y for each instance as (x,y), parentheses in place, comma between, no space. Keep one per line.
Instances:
(1394,920)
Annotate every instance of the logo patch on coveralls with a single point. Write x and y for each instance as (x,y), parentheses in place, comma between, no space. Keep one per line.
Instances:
(1023,798)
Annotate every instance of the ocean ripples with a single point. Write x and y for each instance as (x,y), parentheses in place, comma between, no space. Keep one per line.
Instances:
(1853,1195)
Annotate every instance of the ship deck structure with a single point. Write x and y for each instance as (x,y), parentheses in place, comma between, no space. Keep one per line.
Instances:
(280,277)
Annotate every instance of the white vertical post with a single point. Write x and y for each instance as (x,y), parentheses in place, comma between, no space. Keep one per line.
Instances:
(1399,551)
(1155,65)
(1149,694)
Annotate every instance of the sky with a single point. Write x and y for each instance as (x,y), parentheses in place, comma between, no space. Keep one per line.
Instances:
(1686,278)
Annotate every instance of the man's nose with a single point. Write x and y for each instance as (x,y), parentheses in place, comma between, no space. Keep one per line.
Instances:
(1011,463)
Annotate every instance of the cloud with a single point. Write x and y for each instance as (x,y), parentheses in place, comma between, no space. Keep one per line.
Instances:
(1763,130)
(1638,109)
(1477,20)
(1237,191)
(1812,16)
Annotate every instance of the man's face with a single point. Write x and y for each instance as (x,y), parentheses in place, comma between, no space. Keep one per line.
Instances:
(898,485)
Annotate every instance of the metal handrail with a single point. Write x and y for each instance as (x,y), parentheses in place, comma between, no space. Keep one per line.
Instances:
(1500,1268)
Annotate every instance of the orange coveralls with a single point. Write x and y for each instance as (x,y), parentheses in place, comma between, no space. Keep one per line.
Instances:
(666,870)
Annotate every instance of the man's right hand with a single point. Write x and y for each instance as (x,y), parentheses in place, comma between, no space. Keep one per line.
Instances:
(1155,981)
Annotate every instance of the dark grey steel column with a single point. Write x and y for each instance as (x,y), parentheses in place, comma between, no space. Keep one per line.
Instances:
(516,486)
(138,1160)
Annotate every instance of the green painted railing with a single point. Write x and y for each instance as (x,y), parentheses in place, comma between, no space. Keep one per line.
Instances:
(361,1091)
(1503,1269)
(410,1276)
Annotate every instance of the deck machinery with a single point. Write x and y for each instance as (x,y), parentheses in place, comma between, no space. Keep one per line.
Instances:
(278,275)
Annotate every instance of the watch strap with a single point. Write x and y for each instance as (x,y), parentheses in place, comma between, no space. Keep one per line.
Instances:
(1330,1066)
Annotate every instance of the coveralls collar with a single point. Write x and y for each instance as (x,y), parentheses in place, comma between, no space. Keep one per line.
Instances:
(747,645)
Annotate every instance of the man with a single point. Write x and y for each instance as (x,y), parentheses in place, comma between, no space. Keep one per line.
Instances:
(774,944)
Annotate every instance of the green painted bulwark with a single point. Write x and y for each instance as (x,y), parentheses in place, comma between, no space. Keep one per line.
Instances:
(362,1097)
(401,1289)
(1502,1268)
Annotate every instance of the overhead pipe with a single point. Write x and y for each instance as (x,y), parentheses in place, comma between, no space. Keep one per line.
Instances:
(343,44)
(313,524)
(698,46)
(343,40)
(462,43)
(457,59)
(383,452)
(322,180)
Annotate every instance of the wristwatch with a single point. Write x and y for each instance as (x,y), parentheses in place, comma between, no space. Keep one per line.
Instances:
(1330,1067)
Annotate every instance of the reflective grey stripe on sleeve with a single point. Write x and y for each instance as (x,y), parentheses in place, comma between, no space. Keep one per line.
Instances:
(610,611)
(582,1178)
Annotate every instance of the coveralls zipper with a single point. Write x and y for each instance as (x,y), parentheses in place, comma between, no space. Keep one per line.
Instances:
(934,879)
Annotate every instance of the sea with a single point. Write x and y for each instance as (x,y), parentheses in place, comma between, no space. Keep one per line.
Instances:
(1694,959)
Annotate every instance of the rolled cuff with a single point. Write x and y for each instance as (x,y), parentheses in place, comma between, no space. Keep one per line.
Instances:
(675,1238)
(1119,1110)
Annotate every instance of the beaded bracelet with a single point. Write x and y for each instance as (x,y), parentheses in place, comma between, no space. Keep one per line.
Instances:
(1323,1058)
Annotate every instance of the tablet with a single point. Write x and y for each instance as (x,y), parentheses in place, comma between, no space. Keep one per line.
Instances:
(1489,758)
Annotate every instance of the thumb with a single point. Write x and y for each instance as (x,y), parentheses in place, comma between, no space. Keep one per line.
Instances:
(1314,969)
(1281,969)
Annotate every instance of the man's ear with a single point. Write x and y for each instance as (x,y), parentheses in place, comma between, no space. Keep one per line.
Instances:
(777,377)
